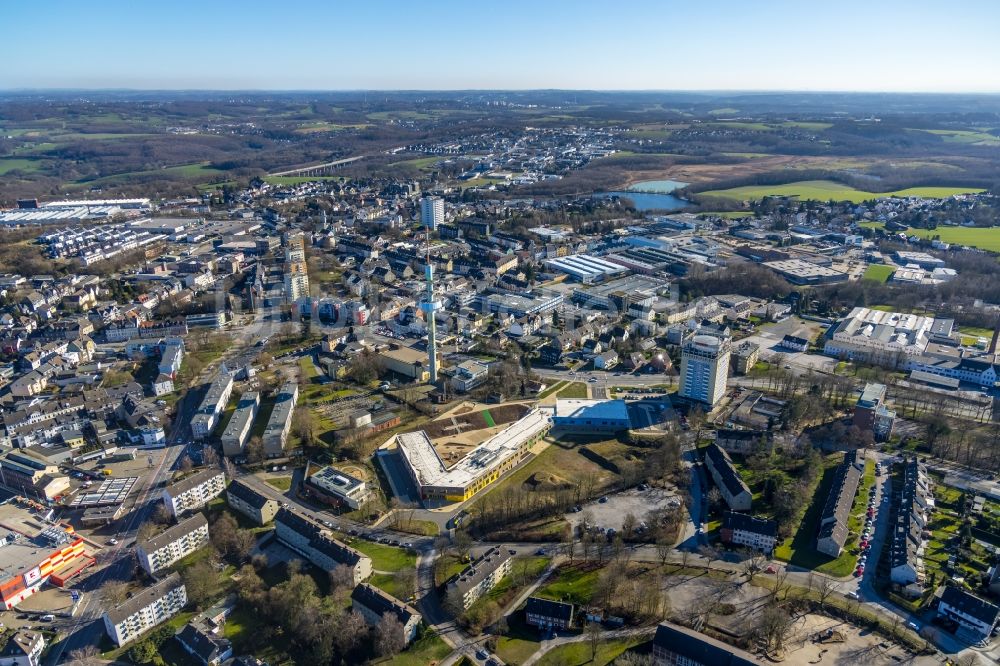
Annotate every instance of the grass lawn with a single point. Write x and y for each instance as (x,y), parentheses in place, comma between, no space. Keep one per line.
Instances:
(446,567)
(878,273)
(559,458)
(573,583)
(308,367)
(519,643)
(384,558)
(578,654)
(419,527)
(823,190)
(391,584)
(515,650)
(985,238)
(429,649)
(552,389)
(573,390)
(800,548)
(490,423)
(282,483)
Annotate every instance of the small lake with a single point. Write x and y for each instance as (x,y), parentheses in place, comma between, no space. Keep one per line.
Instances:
(653,195)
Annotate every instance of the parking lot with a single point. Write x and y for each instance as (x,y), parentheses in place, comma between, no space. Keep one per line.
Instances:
(610,514)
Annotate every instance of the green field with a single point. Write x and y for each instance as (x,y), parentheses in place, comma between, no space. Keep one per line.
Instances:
(878,273)
(818,127)
(422,163)
(729,214)
(8,165)
(965,136)
(735,124)
(985,238)
(824,190)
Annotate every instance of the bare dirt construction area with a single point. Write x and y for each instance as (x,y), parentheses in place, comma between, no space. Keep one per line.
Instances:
(611,513)
(817,639)
(469,425)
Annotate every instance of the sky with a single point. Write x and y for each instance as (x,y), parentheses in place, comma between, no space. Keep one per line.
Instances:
(842,45)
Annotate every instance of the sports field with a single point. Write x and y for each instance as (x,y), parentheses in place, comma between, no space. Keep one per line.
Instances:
(878,272)
(824,190)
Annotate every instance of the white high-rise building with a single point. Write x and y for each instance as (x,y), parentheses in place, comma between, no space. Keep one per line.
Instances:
(704,368)
(296,270)
(431,212)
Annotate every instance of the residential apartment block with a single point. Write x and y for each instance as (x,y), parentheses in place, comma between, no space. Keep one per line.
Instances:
(871,414)
(976,618)
(739,529)
(547,614)
(481,576)
(212,405)
(193,491)
(373,603)
(146,609)
(906,548)
(252,504)
(234,437)
(280,422)
(311,540)
(727,479)
(833,530)
(704,369)
(173,543)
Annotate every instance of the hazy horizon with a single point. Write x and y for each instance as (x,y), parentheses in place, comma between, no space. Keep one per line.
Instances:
(643,46)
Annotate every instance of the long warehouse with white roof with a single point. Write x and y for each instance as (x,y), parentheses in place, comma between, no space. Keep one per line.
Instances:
(585,267)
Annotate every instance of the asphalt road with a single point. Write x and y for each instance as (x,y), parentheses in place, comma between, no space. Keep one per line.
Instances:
(118,562)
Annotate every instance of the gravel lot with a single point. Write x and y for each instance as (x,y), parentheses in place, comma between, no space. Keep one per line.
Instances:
(612,513)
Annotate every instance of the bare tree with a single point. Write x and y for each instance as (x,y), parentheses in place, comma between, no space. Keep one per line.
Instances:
(209,456)
(389,639)
(162,515)
(147,530)
(84,656)
(594,636)
(753,564)
(780,584)
(824,588)
(773,625)
(709,553)
(115,592)
(663,550)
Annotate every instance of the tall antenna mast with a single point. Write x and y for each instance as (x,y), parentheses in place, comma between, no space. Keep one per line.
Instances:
(429,306)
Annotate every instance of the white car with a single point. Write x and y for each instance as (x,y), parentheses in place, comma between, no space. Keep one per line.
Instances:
(113,542)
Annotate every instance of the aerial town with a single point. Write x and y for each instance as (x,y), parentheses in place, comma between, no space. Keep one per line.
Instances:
(499,378)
